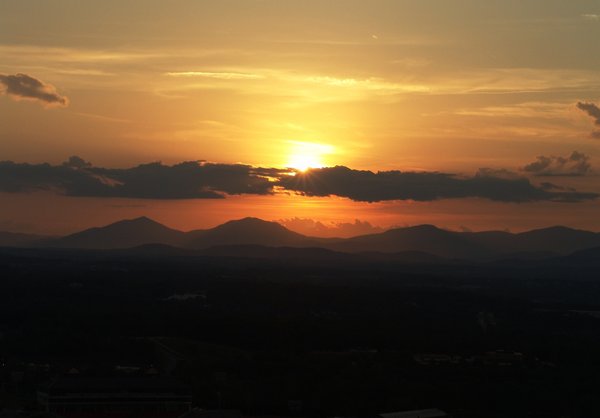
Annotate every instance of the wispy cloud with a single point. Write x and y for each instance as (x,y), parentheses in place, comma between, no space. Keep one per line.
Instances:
(102,117)
(303,87)
(373,84)
(545,110)
(517,80)
(365,40)
(84,72)
(37,54)
(220,75)
(591,16)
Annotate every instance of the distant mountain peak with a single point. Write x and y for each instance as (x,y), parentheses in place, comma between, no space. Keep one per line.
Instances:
(425,227)
(248,231)
(416,228)
(247,219)
(250,222)
(136,224)
(122,234)
(557,228)
(140,220)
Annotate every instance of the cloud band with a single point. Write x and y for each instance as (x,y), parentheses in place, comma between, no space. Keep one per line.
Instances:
(202,180)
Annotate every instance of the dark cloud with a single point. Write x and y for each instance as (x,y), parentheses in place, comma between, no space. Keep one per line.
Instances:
(203,180)
(187,180)
(76,162)
(23,86)
(594,112)
(367,186)
(576,164)
(551,186)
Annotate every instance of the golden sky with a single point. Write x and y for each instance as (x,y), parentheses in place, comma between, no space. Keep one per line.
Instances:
(416,86)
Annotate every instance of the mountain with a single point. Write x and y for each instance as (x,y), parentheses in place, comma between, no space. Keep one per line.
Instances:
(278,253)
(142,231)
(15,239)
(587,258)
(553,241)
(558,239)
(423,238)
(423,242)
(123,234)
(316,254)
(404,257)
(247,231)
(534,244)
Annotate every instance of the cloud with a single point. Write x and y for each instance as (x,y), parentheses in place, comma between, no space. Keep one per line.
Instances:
(367,186)
(221,75)
(25,87)
(594,112)
(311,227)
(576,164)
(551,186)
(76,162)
(372,84)
(204,180)
(591,16)
(186,180)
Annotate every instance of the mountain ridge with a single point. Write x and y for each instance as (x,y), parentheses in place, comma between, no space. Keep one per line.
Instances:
(249,231)
(121,234)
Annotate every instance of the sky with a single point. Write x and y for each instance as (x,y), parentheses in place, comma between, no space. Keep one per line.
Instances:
(334,117)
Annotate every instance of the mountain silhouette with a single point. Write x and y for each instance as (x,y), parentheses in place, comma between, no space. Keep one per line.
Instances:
(16,239)
(587,258)
(123,234)
(425,242)
(539,243)
(247,231)
(317,254)
(423,238)
(559,239)
(281,253)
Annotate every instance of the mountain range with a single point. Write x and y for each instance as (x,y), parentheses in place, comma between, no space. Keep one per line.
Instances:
(252,237)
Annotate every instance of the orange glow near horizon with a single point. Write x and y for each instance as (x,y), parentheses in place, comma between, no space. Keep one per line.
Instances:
(193,214)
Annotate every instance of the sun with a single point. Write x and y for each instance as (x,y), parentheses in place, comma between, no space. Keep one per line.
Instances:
(303,162)
(305,155)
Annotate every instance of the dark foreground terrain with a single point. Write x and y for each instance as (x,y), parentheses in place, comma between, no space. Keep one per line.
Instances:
(288,336)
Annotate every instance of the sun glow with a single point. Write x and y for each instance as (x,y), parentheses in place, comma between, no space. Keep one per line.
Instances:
(306,155)
(304,162)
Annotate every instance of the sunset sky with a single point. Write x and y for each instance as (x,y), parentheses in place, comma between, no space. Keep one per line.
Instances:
(466,114)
